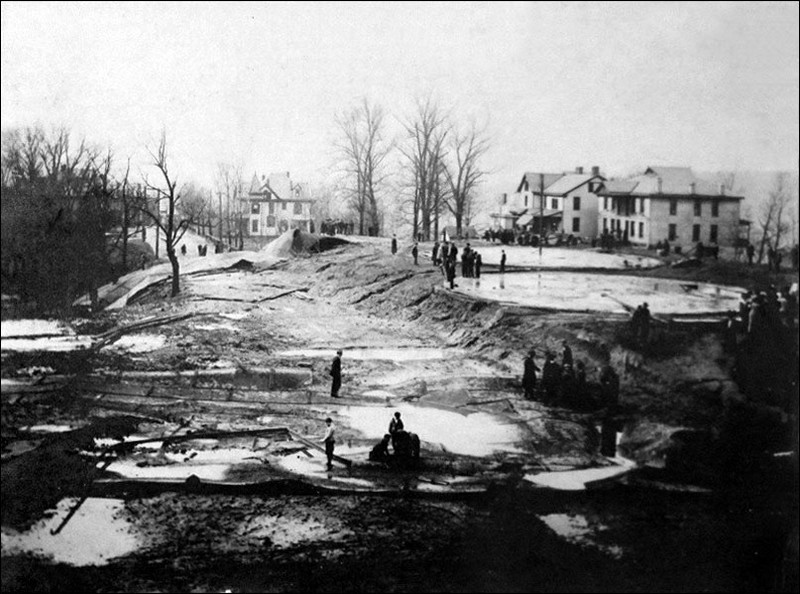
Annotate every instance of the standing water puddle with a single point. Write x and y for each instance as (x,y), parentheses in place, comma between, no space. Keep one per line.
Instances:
(96,534)
(576,480)
(476,434)
(377,354)
(576,529)
(210,465)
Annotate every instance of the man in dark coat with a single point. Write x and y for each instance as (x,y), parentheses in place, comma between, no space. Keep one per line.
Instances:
(394,244)
(503,261)
(566,354)
(478,264)
(453,252)
(551,378)
(529,375)
(435,253)
(336,374)
(415,253)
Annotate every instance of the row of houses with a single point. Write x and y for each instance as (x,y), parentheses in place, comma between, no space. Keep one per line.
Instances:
(663,203)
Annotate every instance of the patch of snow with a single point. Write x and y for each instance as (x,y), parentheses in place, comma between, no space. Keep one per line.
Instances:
(234,315)
(96,534)
(553,257)
(212,465)
(140,343)
(33,328)
(47,428)
(49,343)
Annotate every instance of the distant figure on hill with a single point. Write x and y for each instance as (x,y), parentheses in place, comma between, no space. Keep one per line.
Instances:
(435,253)
(394,244)
(502,261)
(415,253)
(478,264)
(336,374)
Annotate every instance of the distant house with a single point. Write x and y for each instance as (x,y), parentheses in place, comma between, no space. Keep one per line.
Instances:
(276,204)
(669,203)
(569,204)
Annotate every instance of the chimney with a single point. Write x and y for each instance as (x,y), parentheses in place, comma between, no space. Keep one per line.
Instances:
(287,174)
(660,184)
(722,189)
(595,170)
(693,188)
(579,170)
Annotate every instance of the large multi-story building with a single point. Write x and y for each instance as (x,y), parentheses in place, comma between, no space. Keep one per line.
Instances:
(669,203)
(569,204)
(275,204)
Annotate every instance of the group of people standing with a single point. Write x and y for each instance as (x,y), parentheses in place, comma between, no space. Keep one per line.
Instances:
(565,383)
(445,255)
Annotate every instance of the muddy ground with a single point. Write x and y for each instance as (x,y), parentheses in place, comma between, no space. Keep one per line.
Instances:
(710,507)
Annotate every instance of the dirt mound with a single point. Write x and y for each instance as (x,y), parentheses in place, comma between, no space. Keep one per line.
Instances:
(295,242)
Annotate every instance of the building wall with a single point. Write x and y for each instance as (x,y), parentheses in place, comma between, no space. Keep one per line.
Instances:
(727,221)
(281,216)
(587,213)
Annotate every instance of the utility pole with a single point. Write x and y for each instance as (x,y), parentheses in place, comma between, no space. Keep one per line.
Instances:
(219,196)
(541,215)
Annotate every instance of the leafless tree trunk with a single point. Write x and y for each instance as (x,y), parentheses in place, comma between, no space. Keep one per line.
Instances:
(426,133)
(364,150)
(172,227)
(772,221)
(464,172)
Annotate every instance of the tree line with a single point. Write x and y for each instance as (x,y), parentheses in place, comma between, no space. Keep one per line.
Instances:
(430,169)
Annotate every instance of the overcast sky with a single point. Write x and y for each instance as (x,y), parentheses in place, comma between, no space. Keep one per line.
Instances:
(622,86)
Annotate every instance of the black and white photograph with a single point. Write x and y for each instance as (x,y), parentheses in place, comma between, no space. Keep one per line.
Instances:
(399,296)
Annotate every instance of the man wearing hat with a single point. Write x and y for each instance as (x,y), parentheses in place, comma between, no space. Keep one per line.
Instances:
(336,374)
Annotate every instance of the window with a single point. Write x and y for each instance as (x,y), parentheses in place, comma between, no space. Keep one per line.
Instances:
(554,203)
(298,208)
(672,232)
(255,208)
(576,203)
(605,224)
(270,221)
(505,198)
(697,207)
(673,206)
(254,226)
(641,229)
(695,232)
(605,203)
(714,208)
(712,236)
(283,206)
(526,200)
(271,208)
(576,224)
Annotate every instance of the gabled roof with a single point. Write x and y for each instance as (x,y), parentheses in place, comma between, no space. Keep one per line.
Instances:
(568,182)
(532,177)
(664,181)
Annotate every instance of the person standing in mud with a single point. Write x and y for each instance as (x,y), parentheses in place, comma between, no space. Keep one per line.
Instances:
(329,440)
(415,253)
(551,378)
(394,244)
(609,383)
(566,354)
(453,255)
(395,426)
(450,266)
(644,323)
(478,264)
(502,261)
(529,375)
(435,253)
(336,374)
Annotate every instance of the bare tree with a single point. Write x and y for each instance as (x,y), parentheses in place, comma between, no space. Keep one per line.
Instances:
(464,173)
(230,210)
(772,220)
(426,133)
(174,225)
(364,150)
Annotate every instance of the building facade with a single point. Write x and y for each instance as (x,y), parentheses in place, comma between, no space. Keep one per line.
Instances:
(275,204)
(669,203)
(570,204)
